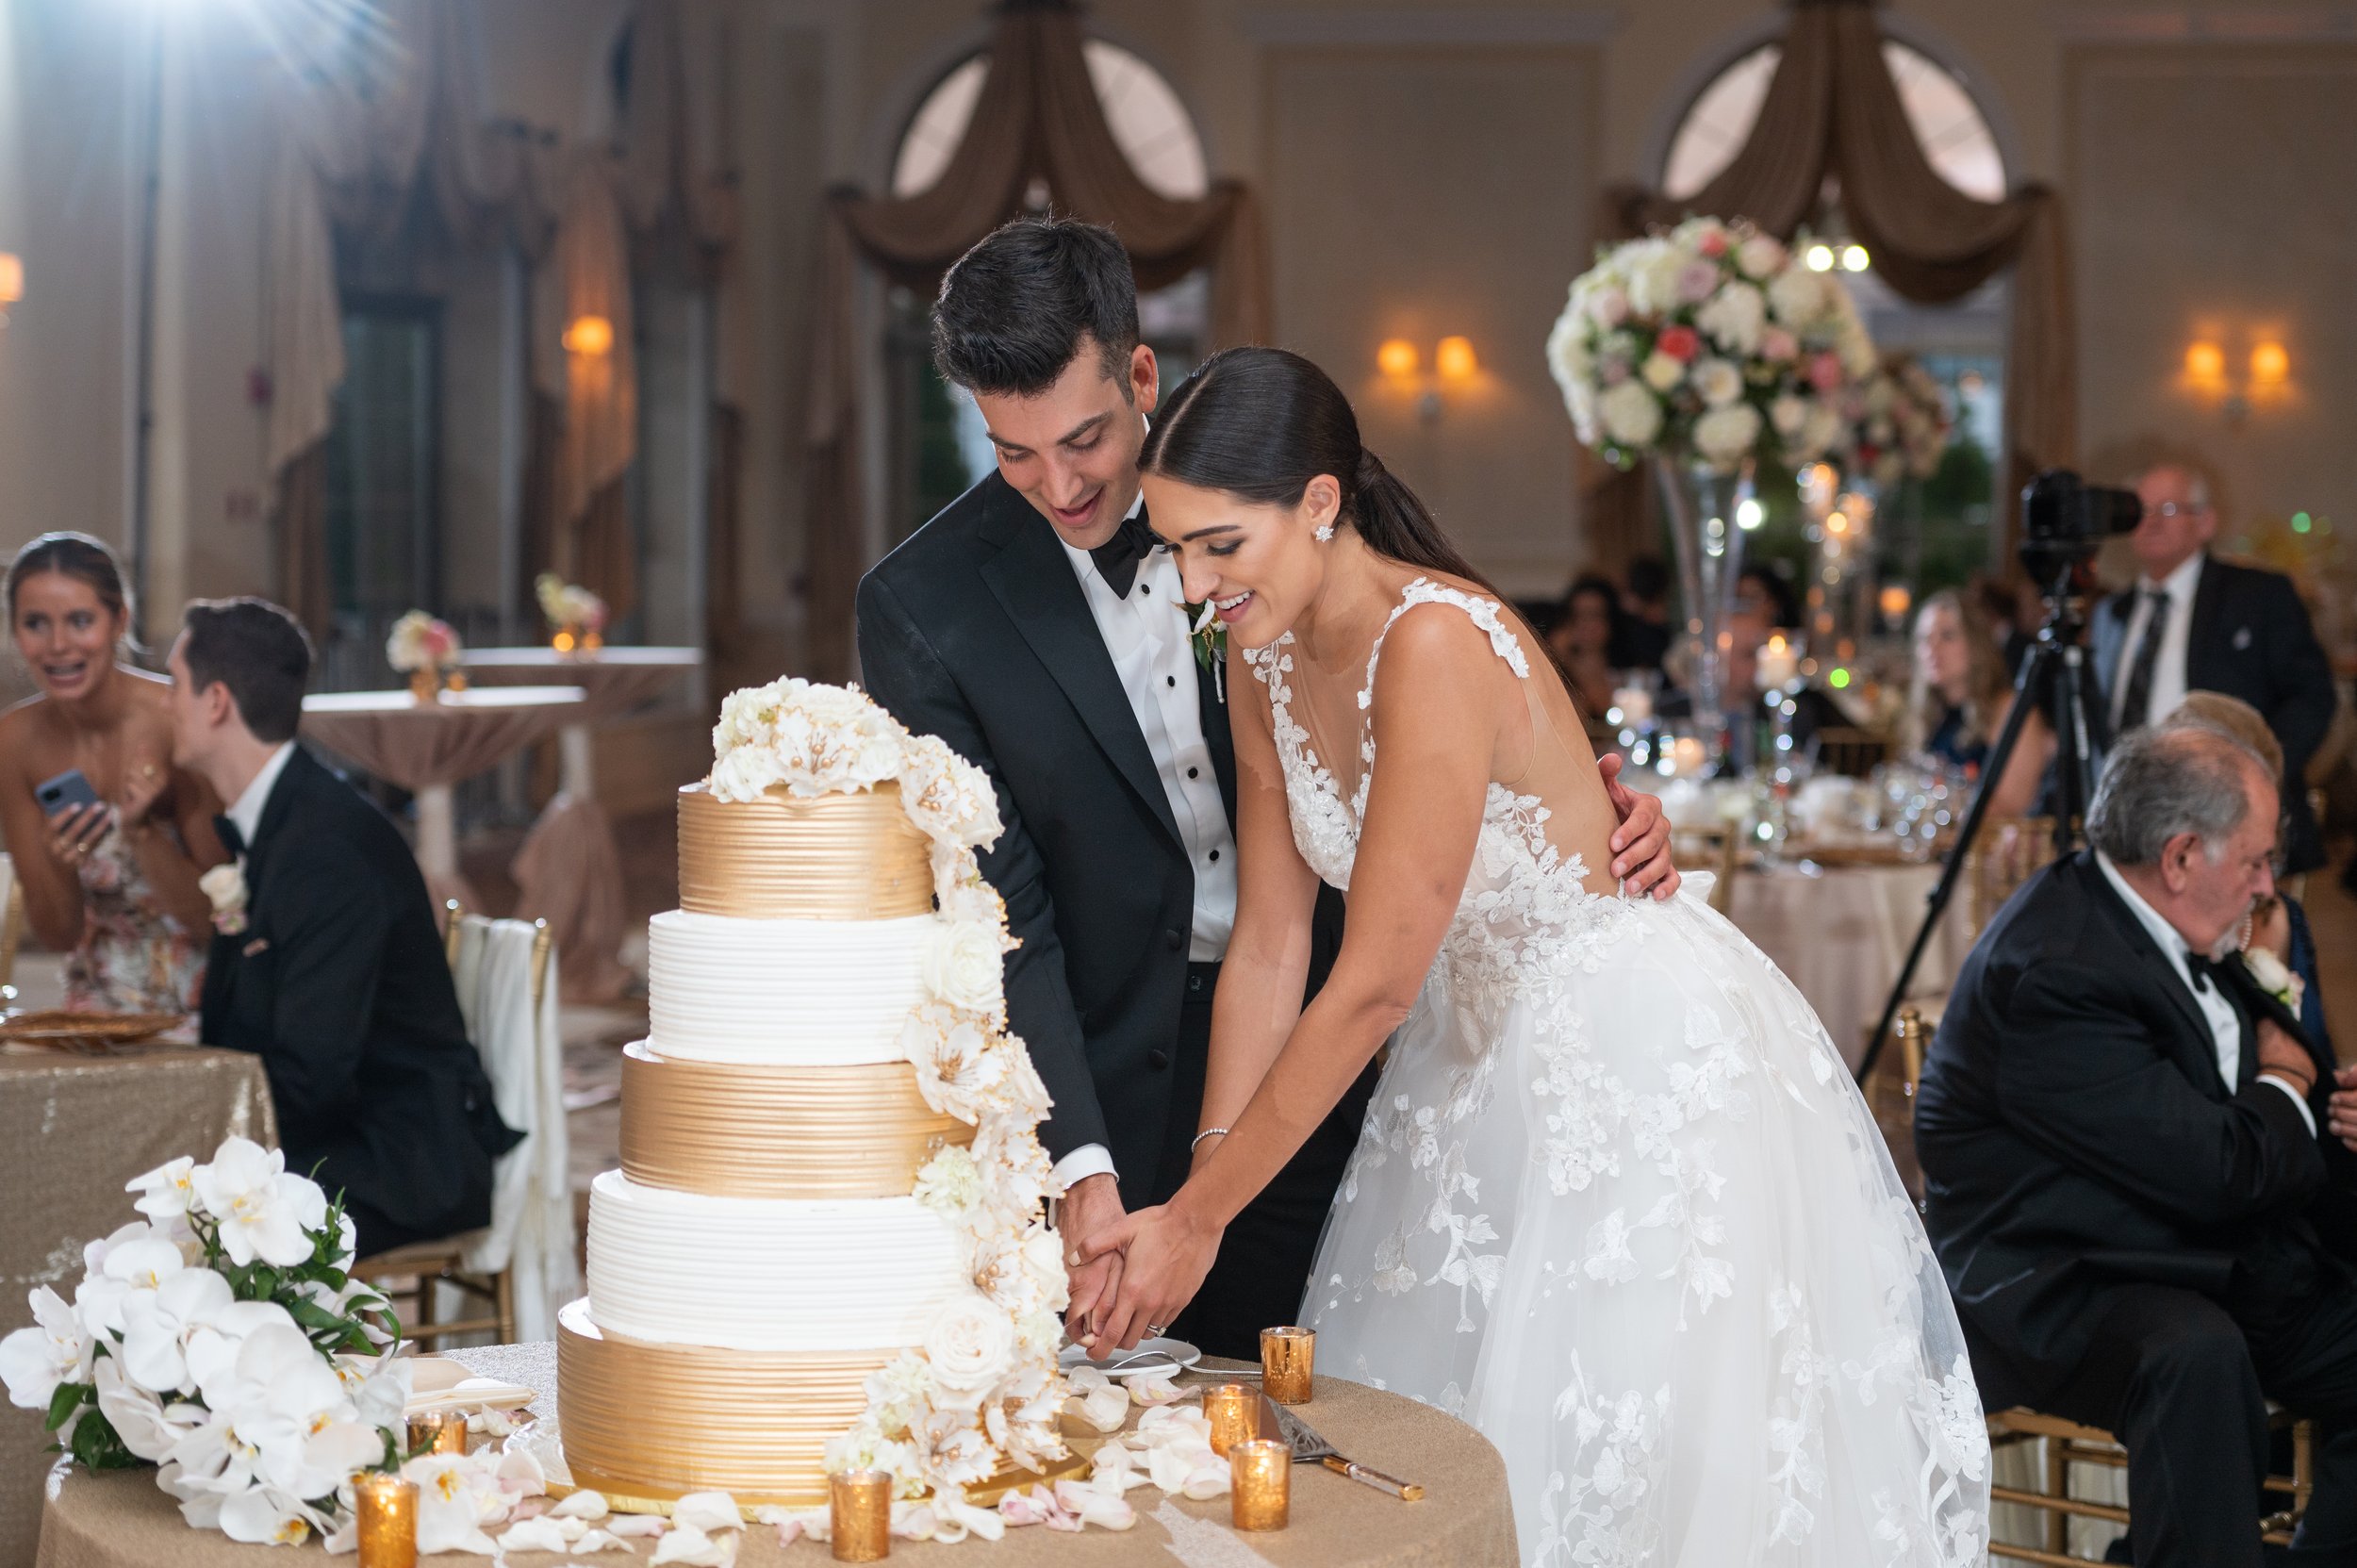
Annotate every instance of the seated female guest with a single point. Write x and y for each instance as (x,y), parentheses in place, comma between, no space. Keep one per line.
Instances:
(1580,640)
(1961,699)
(110,881)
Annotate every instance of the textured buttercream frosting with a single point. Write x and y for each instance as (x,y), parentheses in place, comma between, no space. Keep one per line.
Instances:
(784,992)
(766,1274)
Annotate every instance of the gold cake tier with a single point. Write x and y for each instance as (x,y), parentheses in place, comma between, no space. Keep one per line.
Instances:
(655,1421)
(828,857)
(756,1132)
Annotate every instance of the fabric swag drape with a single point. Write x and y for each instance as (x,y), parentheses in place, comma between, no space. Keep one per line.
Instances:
(1833,110)
(1037,118)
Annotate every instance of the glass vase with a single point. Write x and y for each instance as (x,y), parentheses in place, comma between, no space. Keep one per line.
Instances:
(1706,507)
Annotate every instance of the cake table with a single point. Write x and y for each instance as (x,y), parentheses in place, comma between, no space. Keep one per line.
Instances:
(122,1520)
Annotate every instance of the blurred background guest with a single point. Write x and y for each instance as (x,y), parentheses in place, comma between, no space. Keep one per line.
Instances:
(1961,699)
(112,881)
(2193,622)
(1641,638)
(1581,641)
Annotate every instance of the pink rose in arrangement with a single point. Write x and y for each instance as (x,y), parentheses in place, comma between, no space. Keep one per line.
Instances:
(1778,346)
(1714,244)
(1697,282)
(1825,372)
(1682,343)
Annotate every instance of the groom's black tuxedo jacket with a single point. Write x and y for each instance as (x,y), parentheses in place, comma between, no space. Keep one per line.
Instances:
(338,983)
(2249,637)
(977,631)
(2075,1134)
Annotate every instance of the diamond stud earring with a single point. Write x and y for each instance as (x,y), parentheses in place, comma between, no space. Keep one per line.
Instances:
(1323,531)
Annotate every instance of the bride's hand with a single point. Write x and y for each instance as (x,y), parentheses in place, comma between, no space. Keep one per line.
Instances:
(1641,845)
(1165,1254)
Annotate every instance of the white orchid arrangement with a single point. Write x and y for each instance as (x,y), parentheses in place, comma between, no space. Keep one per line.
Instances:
(1900,422)
(419,642)
(983,1389)
(568,606)
(223,1338)
(1711,340)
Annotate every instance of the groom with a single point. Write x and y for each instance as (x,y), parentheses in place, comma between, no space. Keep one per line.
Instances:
(1034,627)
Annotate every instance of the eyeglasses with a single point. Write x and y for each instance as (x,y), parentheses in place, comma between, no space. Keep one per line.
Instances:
(2172,510)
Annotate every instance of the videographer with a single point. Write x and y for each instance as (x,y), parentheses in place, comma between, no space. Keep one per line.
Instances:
(2196,623)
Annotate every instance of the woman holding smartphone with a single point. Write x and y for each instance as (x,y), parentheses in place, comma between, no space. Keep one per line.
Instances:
(108,837)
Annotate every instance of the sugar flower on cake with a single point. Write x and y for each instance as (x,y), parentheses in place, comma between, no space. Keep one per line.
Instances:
(965,967)
(947,797)
(812,738)
(970,1349)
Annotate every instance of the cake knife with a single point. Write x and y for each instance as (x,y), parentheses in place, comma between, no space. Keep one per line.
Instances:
(1307,1446)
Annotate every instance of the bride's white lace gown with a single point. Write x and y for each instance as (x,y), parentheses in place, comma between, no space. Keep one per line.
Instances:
(1619,1205)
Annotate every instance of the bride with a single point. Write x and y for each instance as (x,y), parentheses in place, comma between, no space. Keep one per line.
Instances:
(1616,1202)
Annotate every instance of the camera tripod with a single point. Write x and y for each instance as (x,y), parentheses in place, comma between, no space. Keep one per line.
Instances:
(2058,673)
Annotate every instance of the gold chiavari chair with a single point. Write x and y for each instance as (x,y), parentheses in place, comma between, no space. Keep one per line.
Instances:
(2008,852)
(427,1264)
(1849,751)
(11,927)
(1717,847)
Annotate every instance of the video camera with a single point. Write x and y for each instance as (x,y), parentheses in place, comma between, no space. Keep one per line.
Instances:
(2064,520)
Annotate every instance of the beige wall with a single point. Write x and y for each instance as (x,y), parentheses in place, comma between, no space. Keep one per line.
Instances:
(1428,167)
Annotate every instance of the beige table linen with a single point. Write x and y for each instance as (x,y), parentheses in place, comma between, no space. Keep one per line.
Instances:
(426,748)
(122,1521)
(1841,933)
(569,871)
(72,1130)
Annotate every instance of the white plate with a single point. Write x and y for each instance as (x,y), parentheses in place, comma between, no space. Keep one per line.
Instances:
(1169,1356)
(438,1383)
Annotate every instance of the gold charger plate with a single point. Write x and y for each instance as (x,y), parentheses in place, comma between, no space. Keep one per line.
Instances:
(102,1028)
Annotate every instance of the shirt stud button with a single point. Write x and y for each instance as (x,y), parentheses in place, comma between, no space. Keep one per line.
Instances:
(1191,773)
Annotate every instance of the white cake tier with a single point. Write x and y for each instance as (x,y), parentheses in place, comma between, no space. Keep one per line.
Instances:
(784,992)
(766,1274)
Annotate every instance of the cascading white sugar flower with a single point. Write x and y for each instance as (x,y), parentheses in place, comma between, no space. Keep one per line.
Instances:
(970,1349)
(964,967)
(949,799)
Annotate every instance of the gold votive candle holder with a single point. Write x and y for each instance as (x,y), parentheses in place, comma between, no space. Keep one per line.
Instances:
(860,1515)
(1286,1356)
(439,1432)
(386,1508)
(1259,1471)
(1235,1416)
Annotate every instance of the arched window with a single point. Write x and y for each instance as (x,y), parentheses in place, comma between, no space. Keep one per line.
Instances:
(1955,134)
(939,443)
(1149,123)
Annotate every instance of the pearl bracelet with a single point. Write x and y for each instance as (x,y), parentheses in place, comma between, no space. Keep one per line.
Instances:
(1207,1132)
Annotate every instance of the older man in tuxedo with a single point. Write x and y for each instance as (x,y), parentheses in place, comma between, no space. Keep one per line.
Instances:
(2119,1152)
(329,967)
(2193,622)
(1035,626)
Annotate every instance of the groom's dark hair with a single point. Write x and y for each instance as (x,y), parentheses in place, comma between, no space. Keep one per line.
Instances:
(1013,310)
(259,653)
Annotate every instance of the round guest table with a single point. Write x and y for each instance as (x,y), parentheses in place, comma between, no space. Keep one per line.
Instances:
(569,871)
(73,1130)
(427,748)
(122,1520)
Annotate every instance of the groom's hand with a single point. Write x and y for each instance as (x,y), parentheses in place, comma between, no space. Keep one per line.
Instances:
(1641,845)
(1092,1207)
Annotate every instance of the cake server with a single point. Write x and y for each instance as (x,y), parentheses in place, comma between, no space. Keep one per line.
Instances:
(1308,1446)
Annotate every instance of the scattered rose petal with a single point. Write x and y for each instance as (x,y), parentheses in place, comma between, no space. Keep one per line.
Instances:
(535,1535)
(707,1511)
(1152,1391)
(584,1504)
(689,1545)
(637,1523)
(1092,1507)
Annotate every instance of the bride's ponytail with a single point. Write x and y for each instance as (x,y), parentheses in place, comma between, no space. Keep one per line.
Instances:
(1394,521)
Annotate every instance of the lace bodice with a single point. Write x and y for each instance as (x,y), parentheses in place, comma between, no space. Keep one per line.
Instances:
(1523,899)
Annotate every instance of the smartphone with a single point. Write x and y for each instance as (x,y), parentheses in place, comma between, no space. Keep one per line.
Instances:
(64,792)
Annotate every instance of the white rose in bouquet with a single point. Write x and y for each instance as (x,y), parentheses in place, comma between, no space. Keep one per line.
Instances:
(1796,297)
(1787,413)
(1631,414)
(1760,255)
(970,1349)
(1722,435)
(1734,319)
(1718,382)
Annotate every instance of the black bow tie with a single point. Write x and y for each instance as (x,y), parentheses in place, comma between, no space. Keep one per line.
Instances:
(231,839)
(1117,558)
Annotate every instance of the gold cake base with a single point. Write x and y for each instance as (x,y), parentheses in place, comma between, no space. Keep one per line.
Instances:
(647,1423)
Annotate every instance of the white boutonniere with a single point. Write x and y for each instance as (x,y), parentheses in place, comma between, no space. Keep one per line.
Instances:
(2274,976)
(1209,640)
(225,886)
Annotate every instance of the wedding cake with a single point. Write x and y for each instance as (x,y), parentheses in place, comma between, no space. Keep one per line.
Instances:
(824,1249)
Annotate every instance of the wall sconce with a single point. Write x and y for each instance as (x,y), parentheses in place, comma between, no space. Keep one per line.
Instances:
(591,337)
(2267,378)
(1822,257)
(1454,364)
(11,282)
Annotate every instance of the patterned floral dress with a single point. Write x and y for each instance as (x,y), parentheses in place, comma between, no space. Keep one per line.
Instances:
(134,957)
(1618,1204)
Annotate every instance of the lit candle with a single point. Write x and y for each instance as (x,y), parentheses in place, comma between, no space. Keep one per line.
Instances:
(1261,1491)
(860,1515)
(1636,704)
(1779,661)
(1234,1412)
(1687,756)
(387,1511)
(1286,1358)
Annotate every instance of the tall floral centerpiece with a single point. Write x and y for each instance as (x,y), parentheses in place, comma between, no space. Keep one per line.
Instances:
(223,1338)
(1900,422)
(1701,351)
(426,651)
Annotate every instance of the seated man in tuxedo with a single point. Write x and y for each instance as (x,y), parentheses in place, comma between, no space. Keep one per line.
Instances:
(2193,622)
(331,970)
(2119,1151)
